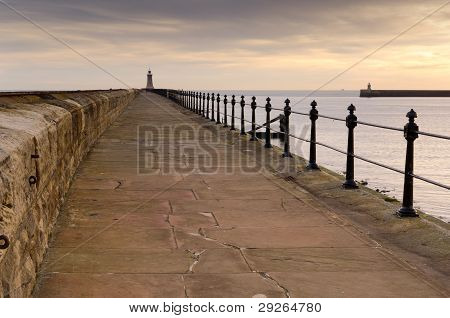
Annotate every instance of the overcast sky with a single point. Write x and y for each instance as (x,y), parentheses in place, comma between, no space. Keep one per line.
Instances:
(224,44)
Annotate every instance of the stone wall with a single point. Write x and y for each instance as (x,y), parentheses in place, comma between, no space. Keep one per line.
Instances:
(43,136)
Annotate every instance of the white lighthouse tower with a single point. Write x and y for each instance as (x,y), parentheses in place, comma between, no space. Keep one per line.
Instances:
(149,80)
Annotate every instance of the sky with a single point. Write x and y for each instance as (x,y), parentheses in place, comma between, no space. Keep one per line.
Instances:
(224,44)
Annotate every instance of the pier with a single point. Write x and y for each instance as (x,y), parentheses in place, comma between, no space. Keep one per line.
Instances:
(166,193)
(210,232)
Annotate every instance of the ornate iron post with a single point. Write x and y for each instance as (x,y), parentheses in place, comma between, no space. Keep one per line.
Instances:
(268,109)
(233,103)
(313,115)
(287,114)
(242,115)
(196,103)
(203,108)
(411,134)
(253,106)
(225,115)
(351,123)
(218,109)
(190,100)
(207,105)
(212,107)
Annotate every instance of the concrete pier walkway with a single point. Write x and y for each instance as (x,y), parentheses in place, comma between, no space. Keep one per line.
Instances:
(146,218)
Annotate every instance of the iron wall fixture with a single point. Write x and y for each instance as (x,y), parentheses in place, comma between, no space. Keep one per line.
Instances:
(5,240)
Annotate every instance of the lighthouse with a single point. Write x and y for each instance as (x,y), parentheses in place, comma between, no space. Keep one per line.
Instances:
(149,80)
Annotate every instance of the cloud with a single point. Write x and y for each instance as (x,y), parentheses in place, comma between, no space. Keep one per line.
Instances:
(198,37)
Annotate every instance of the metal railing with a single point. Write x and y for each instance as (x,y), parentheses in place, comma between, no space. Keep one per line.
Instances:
(199,103)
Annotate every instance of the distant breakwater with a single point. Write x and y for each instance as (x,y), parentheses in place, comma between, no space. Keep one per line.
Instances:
(404,93)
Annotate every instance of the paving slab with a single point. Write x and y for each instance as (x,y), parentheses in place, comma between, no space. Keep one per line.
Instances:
(125,261)
(132,218)
(357,284)
(256,219)
(325,236)
(140,196)
(221,260)
(116,236)
(193,221)
(319,259)
(83,285)
(231,286)
(227,205)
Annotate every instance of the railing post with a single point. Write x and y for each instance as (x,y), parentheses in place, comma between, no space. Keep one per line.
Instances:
(190,100)
(225,115)
(313,115)
(253,106)
(218,109)
(233,103)
(242,115)
(207,105)
(268,132)
(351,123)
(196,102)
(411,134)
(287,113)
(212,107)
(203,108)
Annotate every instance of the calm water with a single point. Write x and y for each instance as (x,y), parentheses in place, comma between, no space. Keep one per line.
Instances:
(432,156)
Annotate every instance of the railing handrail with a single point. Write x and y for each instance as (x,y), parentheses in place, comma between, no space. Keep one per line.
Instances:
(410,133)
(434,135)
(357,157)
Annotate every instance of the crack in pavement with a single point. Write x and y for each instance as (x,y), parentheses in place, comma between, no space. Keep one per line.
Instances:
(184,287)
(215,219)
(119,184)
(172,227)
(196,258)
(265,275)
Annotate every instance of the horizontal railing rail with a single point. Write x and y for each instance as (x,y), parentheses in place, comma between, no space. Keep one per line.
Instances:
(206,104)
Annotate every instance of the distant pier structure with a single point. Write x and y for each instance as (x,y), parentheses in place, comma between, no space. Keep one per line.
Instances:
(369,92)
(149,80)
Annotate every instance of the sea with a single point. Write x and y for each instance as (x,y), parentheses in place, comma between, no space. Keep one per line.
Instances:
(432,155)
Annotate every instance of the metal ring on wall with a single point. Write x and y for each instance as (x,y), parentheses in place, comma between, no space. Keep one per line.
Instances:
(5,240)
